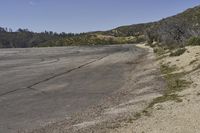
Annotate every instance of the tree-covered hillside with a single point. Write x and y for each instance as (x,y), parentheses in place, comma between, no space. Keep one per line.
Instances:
(175,30)
(23,38)
(130,30)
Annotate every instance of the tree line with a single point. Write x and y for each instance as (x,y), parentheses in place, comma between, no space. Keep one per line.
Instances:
(23,38)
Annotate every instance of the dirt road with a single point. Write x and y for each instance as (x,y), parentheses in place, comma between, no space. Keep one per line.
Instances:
(39,86)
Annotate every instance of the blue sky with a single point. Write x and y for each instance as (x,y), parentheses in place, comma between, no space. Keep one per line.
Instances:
(85,15)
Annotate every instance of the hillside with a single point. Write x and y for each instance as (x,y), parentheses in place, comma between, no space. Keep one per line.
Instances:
(175,30)
(172,30)
(130,30)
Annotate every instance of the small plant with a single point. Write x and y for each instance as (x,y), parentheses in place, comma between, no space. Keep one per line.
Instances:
(159,51)
(178,52)
(164,98)
(166,69)
(146,112)
(137,115)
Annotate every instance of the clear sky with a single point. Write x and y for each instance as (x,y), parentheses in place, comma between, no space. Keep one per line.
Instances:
(85,15)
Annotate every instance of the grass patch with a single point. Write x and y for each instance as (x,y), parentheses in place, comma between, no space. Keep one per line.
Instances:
(175,83)
(178,52)
(164,98)
(165,69)
(159,51)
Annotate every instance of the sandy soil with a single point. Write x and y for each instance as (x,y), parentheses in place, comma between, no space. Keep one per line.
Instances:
(170,116)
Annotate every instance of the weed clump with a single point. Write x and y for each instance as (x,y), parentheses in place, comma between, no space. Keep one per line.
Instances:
(174,82)
(178,52)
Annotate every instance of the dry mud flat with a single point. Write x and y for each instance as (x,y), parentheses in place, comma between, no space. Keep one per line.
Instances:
(141,84)
(74,89)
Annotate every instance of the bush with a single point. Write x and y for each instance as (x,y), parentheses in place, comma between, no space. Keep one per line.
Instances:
(178,52)
(159,51)
(194,41)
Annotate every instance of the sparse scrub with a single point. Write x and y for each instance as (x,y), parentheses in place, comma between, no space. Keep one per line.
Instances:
(178,52)
(174,82)
(193,61)
(164,98)
(159,51)
(165,69)
(193,41)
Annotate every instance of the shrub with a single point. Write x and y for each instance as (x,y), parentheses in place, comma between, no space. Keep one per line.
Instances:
(194,41)
(159,51)
(178,52)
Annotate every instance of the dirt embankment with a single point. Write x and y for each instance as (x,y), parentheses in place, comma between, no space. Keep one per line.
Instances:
(177,111)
